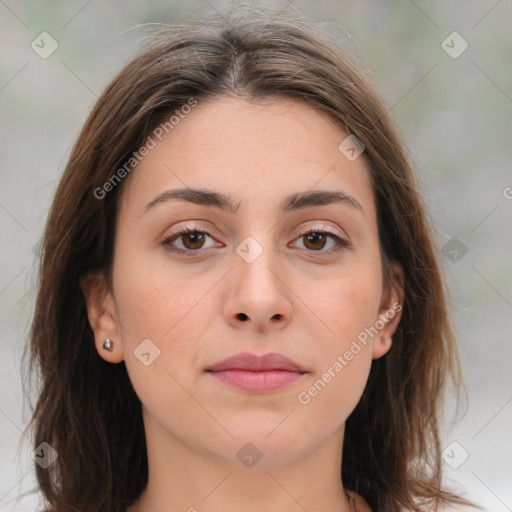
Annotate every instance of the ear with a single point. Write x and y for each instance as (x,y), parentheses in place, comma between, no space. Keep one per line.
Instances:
(390,311)
(102,316)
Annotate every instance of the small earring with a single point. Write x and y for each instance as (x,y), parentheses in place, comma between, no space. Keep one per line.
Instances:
(108,345)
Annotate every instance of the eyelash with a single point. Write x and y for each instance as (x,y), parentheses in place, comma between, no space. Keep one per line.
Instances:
(167,241)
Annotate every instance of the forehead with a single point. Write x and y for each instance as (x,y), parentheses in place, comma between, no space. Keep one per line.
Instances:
(255,151)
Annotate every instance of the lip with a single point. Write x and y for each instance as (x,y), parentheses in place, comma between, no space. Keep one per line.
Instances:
(257,373)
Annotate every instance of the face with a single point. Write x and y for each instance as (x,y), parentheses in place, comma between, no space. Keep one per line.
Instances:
(246,230)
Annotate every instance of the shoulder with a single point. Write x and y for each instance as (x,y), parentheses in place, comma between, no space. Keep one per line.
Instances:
(362,506)
(445,507)
(455,507)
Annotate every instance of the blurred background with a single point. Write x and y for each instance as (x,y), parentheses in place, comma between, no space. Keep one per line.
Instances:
(443,68)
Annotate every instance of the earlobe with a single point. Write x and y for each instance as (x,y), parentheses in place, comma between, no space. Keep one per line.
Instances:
(101,315)
(390,311)
(381,345)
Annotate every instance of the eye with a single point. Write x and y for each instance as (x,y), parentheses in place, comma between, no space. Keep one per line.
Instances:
(317,240)
(187,240)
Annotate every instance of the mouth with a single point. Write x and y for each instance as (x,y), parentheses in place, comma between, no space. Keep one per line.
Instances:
(257,374)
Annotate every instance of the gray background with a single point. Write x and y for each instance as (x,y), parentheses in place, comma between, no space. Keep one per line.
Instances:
(454,113)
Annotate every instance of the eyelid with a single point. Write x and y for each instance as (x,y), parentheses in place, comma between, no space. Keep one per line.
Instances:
(186,228)
(323,227)
(326,228)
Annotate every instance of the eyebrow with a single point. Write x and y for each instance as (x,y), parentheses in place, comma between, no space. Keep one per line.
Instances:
(296,201)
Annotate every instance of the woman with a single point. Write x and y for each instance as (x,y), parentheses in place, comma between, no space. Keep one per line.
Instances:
(240,305)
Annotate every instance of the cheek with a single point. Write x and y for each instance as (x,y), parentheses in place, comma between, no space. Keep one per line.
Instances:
(154,303)
(169,312)
(347,306)
(330,395)
(329,398)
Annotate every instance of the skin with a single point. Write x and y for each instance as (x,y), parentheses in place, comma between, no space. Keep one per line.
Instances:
(307,304)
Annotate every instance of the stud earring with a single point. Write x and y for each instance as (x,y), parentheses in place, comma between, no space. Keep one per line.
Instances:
(108,345)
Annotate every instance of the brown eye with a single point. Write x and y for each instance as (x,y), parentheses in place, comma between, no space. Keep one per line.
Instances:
(315,240)
(193,240)
(322,241)
(188,241)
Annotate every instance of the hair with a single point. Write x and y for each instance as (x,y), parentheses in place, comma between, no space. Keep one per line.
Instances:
(391,451)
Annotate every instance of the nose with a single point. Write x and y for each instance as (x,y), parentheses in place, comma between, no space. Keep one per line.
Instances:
(259,297)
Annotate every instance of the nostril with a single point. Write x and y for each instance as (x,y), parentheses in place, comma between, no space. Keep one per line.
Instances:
(242,316)
(277,316)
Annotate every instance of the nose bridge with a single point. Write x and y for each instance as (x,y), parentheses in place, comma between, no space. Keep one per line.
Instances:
(258,296)
(255,267)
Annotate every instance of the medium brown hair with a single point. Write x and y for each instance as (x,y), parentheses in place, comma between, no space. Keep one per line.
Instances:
(87,409)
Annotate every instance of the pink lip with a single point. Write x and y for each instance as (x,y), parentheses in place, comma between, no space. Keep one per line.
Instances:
(257,373)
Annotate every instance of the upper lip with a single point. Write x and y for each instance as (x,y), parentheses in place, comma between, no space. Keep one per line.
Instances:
(247,361)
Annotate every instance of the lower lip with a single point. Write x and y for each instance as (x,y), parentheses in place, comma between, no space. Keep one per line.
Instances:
(257,381)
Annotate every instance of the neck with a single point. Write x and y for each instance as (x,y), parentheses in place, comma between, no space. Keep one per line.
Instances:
(184,477)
